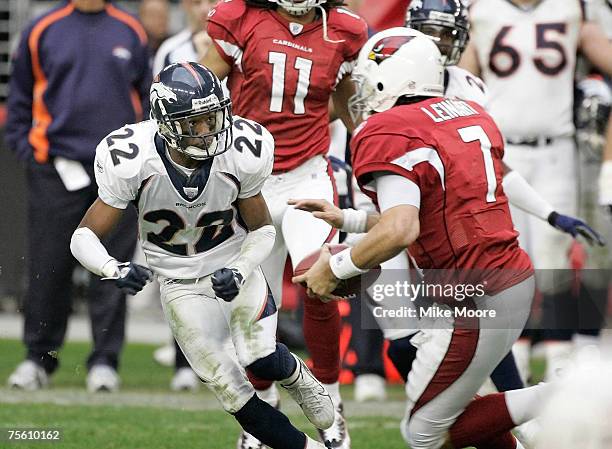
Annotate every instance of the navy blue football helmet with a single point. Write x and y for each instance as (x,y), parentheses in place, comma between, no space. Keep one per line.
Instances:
(446,20)
(193,114)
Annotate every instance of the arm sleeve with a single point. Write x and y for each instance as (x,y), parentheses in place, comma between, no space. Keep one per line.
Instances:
(113,189)
(394,190)
(19,102)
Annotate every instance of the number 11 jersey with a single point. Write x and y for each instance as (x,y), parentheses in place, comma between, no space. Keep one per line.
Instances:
(188,223)
(283,73)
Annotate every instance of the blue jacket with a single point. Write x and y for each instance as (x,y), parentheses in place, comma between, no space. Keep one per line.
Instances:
(76,77)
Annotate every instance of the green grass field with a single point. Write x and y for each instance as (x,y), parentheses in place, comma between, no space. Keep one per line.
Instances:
(146,415)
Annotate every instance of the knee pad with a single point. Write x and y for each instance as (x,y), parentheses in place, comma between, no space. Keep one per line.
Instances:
(277,366)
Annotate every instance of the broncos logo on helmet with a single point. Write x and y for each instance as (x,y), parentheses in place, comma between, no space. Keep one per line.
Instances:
(387,46)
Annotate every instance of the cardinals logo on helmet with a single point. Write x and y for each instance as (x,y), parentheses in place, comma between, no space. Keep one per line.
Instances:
(387,46)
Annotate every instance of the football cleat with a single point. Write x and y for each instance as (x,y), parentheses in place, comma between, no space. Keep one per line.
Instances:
(248,441)
(311,395)
(28,376)
(102,378)
(185,380)
(337,436)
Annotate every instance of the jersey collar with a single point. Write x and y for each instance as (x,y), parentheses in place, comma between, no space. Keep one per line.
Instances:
(188,187)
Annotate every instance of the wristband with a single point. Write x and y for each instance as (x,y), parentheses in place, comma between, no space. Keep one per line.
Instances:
(354,221)
(342,265)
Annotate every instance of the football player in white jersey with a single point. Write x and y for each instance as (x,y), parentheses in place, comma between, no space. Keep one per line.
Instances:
(525,50)
(183,46)
(195,174)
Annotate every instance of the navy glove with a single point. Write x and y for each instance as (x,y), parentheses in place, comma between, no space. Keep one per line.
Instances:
(132,277)
(226,283)
(574,227)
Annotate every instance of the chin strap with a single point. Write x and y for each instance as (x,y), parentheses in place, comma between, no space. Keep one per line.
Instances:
(325,36)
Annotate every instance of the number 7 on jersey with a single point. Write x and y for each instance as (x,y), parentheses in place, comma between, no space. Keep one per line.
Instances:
(476,133)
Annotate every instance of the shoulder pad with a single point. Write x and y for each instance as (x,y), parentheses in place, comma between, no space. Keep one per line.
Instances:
(227,10)
(253,147)
(121,151)
(347,22)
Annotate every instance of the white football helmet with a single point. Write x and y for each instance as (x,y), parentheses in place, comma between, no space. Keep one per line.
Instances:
(298,7)
(394,63)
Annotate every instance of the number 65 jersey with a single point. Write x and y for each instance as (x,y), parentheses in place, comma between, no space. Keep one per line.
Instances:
(189,224)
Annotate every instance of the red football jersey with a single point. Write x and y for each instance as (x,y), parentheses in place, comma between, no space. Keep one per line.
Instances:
(453,151)
(283,73)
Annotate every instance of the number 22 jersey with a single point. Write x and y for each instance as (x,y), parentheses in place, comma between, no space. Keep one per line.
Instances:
(189,226)
(283,73)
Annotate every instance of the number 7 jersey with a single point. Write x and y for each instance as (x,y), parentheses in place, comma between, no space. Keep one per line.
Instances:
(189,224)
(284,73)
(452,150)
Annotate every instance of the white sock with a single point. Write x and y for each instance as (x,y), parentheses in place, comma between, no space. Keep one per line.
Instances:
(518,444)
(269,395)
(526,403)
(334,392)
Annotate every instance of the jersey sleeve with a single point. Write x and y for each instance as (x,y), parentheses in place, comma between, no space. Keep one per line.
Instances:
(117,178)
(378,152)
(353,30)
(253,169)
(225,24)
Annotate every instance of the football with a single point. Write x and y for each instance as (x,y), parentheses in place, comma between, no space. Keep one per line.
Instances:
(348,288)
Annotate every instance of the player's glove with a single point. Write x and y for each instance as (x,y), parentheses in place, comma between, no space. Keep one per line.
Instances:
(575,227)
(226,283)
(131,277)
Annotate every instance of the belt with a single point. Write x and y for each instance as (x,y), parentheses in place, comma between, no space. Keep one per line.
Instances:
(531,142)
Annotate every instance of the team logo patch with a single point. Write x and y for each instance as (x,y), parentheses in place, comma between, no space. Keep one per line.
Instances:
(295,28)
(122,53)
(387,46)
(159,91)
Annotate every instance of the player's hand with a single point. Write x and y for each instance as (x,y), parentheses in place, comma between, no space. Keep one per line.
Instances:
(575,227)
(131,277)
(226,283)
(322,209)
(320,280)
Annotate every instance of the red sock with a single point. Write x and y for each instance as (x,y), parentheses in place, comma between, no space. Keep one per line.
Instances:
(259,384)
(484,424)
(504,441)
(322,326)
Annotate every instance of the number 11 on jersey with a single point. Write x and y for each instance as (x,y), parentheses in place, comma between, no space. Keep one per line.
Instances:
(304,67)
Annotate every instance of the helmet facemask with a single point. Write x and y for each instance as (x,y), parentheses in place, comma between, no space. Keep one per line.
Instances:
(451,40)
(298,8)
(201,134)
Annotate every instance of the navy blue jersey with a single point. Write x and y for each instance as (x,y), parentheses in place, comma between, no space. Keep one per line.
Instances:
(76,77)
